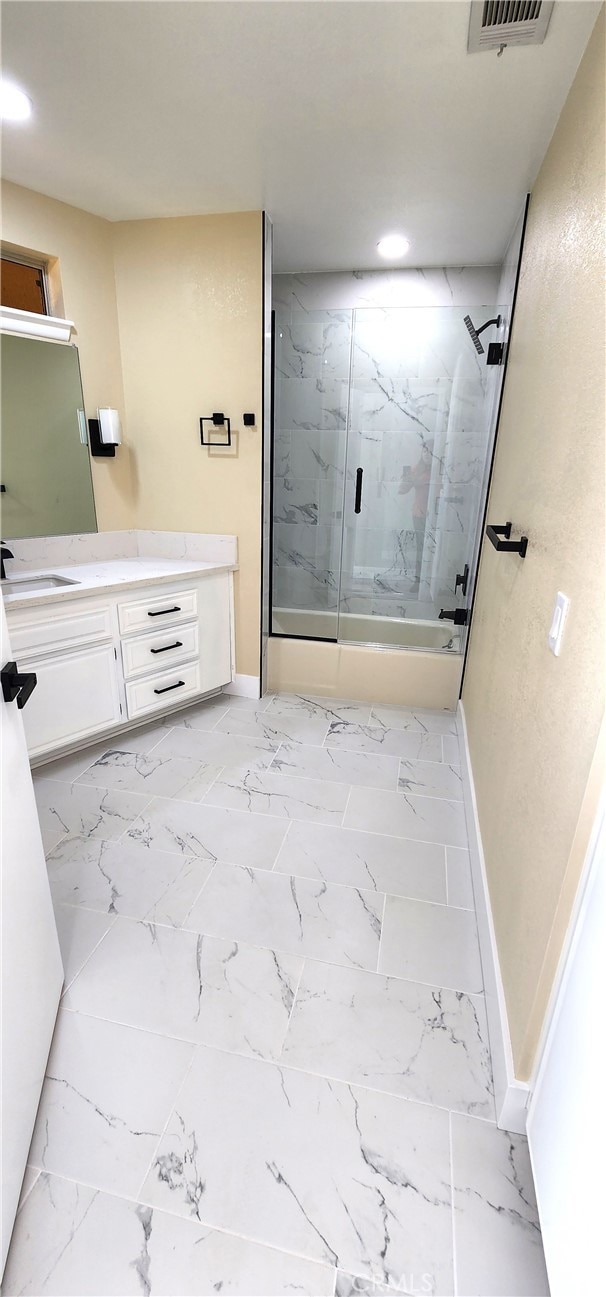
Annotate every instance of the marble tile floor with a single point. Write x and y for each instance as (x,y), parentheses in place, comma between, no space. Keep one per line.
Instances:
(271,1069)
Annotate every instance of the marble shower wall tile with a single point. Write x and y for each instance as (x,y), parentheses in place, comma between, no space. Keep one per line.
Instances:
(63,1232)
(496,1225)
(348,289)
(298,915)
(368,860)
(107,1096)
(392,1210)
(198,988)
(419,1042)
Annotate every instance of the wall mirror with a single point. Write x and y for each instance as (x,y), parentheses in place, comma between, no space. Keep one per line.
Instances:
(45,467)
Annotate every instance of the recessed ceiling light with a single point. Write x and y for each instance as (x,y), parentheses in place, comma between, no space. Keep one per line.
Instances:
(15,105)
(393,246)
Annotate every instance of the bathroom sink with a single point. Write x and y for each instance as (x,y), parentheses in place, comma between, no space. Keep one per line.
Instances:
(31,584)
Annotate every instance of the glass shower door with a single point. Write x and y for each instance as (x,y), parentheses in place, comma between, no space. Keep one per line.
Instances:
(416,453)
(312,361)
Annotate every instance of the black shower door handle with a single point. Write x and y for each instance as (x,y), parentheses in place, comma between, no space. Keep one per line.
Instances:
(358,500)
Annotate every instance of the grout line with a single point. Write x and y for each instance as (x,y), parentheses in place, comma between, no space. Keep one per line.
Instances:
(280,850)
(166,1124)
(68,985)
(346,807)
(292,1009)
(182,927)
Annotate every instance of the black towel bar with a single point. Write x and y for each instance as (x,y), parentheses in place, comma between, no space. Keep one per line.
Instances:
(511,546)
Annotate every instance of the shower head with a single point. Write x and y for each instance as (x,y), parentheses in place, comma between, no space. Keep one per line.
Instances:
(475,333)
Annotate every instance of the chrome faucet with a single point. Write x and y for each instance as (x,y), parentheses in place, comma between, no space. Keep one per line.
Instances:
(5,552)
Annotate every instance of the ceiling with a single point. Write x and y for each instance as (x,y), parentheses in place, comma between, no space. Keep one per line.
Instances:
(344,120)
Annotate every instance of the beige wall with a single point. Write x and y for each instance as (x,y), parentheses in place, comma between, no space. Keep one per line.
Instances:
(190,316)
(186,340)
(533,719)
(83,289)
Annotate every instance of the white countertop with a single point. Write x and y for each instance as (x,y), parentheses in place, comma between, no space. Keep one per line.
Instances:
(107,577)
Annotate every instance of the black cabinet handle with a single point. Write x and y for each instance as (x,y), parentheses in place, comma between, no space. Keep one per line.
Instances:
(177,644)
(358,501)
(179,685)
(163,611)
(494,534)
(17,685)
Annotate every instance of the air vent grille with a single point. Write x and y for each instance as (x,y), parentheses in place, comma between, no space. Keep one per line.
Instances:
(507,22)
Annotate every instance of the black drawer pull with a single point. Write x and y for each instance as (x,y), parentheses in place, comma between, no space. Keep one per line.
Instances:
(177,644)
(167,689)
(163,611)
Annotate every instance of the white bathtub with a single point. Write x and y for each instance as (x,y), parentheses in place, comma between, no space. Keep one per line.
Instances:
(356,628)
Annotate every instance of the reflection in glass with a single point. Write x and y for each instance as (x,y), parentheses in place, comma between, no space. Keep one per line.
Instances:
(45,461)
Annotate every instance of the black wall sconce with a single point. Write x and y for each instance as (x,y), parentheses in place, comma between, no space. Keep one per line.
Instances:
(104,433)
(217,420)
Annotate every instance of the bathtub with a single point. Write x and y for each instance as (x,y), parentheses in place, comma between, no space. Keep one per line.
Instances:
(376,632)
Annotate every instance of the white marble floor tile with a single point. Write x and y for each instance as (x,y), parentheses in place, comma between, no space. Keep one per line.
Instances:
(416,1041)
(331,709)
(217,749)
(210,832)
(74,1241)
(199,988)
(429,722)
(497,1235)
(88,812)
(107,1096)
(299,915)
(153,774)
(357,768)
(125,878)
(412,745)
(427,819)
(436,944)
(204,715)
(458,876)
(275,727)
(368,860)
(267,792)
(253,1148)
(430,779)
(450,749)
(79,932)
(69,767)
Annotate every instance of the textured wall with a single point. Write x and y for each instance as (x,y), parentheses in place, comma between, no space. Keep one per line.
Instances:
(190,297)
(533,719)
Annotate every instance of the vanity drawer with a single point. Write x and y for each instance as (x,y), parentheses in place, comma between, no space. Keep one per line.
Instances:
(158,692)
(145,653)
(157,610)
(58,626)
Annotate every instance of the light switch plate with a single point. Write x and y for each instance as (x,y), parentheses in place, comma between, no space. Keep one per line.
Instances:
(560,613)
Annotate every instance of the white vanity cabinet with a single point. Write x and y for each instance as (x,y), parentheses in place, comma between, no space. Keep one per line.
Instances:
(105,662)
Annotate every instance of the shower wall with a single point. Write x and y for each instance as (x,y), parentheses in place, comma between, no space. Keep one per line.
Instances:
(398,380)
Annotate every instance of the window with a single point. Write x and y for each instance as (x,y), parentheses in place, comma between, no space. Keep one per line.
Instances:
(23,286)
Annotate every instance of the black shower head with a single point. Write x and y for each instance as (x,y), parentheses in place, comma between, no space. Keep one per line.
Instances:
(475,333)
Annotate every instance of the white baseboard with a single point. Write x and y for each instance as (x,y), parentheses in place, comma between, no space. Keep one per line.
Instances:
(244,687)
(511,1095)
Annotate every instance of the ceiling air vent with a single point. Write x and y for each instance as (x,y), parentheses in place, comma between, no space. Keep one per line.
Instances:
(494,23)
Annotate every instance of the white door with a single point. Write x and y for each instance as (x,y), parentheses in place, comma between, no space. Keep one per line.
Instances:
(32,972)
(565,1119)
